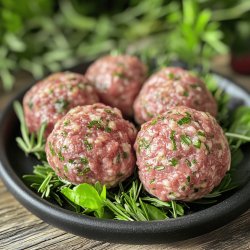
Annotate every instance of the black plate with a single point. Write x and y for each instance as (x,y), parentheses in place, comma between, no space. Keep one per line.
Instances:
(14,164)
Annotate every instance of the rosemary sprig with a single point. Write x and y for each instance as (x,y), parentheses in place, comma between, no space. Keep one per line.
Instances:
(30,143)
(46,182)
(238,136)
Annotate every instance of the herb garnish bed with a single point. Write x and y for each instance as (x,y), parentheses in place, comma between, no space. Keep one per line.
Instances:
(129,201)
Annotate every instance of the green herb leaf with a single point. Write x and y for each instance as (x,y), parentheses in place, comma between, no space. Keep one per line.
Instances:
(143,144)
(84,160)
(95,123)
(184,120)
(172,135)
(88,145)
(154,213)
(173,162)
(185,139)
(197,143)
(87,197)
(159,168)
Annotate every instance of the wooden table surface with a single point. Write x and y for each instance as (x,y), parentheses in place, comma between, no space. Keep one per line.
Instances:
(19,229)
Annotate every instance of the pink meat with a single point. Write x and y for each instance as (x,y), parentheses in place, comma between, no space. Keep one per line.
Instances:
(171,87)
(182,154)
(118,80)
(50,99)
(92,143)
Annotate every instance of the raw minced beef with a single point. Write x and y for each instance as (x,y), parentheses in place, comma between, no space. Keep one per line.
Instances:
(171,87)
(92,143)
(50,99)
(182,154)
(118,80)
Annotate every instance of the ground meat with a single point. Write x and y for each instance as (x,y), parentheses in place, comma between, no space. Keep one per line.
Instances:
(182,154)
(50,99)
(118,80)
(172,87)
(92,143)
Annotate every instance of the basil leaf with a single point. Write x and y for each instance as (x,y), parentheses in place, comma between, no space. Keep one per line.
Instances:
(87,197)
(154,213)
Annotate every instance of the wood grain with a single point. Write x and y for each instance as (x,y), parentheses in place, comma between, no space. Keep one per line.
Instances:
(19,229)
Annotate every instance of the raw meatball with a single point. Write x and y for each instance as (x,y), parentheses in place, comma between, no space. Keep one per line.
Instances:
(92,143)
(50,99)
(182,154)
(172,87)
(118,80)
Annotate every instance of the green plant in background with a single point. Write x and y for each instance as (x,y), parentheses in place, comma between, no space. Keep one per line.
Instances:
(234,18)
(44,35)
(201,36)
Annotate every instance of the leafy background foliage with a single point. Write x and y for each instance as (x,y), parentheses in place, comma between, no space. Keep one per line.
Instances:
(48,35)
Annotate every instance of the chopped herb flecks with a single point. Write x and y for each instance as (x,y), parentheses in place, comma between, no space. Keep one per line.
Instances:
(86,170)
(188,162)
(83,172)
(152,181)
(118,158)
(185,139)
(154,121)
(186,93)
(173,162)
(171,75)
(64,133)
(143,144)
(66,123)
(173,139)
(159,168)
(207,147)
(84,160)
(109,111)
(119,74)
(60,156)
(52,151)
(65,168)
(197,143)
(201,133)
(30,104)
(194,86)
(108,129)
(124,155)
(184,120)
(88,145)
(95,123)
(61,105)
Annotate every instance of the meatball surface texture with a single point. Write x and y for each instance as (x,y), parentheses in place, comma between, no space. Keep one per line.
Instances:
(50,99)
(182,154)
(171,87)
(92,143)
(118,80)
